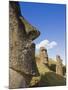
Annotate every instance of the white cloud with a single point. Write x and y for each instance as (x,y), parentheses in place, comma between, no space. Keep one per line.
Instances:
(47,44)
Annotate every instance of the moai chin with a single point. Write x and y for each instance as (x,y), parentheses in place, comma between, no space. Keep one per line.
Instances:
(22,65)
(59,67)
(43,56)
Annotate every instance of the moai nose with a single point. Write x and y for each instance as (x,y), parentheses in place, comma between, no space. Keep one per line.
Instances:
(31,31)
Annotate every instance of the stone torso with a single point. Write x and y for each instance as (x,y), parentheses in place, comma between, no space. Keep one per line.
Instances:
(59,67)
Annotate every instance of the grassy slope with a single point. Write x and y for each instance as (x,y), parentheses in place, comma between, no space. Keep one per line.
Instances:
(47,77)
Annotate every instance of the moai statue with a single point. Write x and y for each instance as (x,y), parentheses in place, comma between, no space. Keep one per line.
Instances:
(22,65)
(59,67)
(43,56)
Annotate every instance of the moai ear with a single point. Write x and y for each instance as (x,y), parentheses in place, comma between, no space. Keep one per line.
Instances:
(31,31)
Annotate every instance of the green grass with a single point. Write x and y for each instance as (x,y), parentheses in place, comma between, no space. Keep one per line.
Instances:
(52,79)
(47,77)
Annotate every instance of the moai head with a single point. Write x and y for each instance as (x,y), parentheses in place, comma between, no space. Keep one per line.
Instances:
(22,62)
(43,55)
(59,67)
(21,35)
(59,60)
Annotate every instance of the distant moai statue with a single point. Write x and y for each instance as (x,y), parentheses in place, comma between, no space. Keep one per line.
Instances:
(59,66)
(43,55)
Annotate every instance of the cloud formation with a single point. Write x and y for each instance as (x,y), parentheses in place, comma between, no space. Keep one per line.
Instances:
(47,44)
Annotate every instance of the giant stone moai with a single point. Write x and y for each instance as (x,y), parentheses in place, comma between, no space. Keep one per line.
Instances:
(59,66)
(43,55)
(22,65)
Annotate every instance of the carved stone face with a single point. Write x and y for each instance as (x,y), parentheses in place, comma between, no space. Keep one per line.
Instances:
(43,55)
(22,50)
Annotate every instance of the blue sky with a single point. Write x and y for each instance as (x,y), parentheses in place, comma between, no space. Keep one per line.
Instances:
(50,21)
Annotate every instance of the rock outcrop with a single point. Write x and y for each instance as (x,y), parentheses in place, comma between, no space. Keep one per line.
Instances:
(43,55)
(59,66)
(22,50)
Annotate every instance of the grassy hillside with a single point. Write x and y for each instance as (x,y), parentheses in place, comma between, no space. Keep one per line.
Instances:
(47,77)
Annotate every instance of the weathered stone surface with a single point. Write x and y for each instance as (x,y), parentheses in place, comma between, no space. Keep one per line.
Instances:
(22,50)
(31,31)
(17,80)
(59,66)
(43,55)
